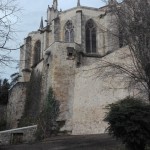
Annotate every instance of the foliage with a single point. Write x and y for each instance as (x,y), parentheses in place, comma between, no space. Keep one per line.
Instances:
(46,120)
(27,121)
(129,120)
(33,94)
(4,87)
(2,124)
(47,124)
(32,104)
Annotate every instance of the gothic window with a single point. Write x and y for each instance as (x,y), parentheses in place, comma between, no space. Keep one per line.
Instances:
(69,32)
(37,52)
(90,37)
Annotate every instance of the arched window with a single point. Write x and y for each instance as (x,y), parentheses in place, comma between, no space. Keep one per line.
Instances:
(69,32)
(90,37)
(37,52)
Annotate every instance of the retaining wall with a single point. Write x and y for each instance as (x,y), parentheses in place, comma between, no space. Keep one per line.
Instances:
(18,135)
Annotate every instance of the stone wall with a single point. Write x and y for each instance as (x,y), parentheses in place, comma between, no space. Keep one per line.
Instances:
(58,73)
(25,135)
(16,103)
(106,29)
(94,89)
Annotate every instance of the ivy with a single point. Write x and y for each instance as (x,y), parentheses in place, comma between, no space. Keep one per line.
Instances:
(33,99)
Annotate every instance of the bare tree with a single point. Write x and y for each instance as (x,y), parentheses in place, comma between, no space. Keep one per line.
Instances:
(132,20)
(8,18)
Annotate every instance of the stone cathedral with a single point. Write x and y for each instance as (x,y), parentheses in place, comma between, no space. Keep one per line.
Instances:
(67,53)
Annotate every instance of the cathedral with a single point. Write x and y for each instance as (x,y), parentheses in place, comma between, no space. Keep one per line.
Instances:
(66,54)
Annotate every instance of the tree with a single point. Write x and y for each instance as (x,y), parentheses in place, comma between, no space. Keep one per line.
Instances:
(4,87)
(129,121)
(8,18)
(47,120)
(132,21)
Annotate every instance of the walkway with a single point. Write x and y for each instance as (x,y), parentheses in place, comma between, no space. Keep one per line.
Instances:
(86,142)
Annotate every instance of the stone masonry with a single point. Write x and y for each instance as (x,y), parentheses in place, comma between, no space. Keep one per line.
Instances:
(68,51)
(25,135)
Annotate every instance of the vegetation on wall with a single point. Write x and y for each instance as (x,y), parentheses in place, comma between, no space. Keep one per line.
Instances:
(47,124)
(2,124)
(4,93)
(46,119)
(129,121)
(33,99)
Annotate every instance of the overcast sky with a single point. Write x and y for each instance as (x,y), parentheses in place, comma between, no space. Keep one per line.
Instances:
(30,16)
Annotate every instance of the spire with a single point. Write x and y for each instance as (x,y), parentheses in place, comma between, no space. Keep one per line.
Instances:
(41,24)
(78,4)
(55,4)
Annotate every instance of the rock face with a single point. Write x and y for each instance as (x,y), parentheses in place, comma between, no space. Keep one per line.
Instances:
(68,52)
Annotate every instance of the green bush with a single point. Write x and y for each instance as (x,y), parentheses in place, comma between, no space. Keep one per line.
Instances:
(129,121)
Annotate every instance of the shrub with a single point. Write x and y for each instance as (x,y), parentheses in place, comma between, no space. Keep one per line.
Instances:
(129,121)
(4,90)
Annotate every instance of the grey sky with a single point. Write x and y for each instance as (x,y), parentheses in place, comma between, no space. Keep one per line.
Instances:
(30,15)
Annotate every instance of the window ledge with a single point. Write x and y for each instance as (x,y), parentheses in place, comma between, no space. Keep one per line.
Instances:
(92,55)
